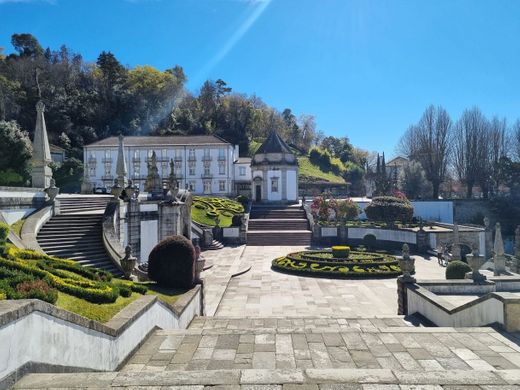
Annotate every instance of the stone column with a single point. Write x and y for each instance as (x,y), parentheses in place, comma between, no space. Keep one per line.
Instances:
(488,233)
(41,172)
(169,220)
(455,249)
(499,258)
(133,221)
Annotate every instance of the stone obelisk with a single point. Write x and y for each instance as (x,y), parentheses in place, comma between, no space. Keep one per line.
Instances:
(121,171)
(41,172)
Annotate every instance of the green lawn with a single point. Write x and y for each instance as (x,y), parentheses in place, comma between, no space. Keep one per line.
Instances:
(310,172)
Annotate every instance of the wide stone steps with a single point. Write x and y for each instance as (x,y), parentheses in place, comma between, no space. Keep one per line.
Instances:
(279,237)
(78,236)
(265,379)
(278,225)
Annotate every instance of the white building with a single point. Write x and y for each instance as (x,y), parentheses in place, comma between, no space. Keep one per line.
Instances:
(275,172)
(205,164)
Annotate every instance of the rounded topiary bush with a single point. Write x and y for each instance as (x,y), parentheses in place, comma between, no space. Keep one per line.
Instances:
(4,233)
(171,263)
(457,270)
(370,241)
(340,251)
(389,209)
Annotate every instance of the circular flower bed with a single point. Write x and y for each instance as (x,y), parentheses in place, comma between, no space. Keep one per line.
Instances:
(323,263)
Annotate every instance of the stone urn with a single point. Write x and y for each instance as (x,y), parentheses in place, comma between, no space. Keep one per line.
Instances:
(128,262)
(116,189)
(52,191)
(475,261)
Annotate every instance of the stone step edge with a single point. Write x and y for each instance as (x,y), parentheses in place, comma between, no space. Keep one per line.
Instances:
(321,330)
(269,377)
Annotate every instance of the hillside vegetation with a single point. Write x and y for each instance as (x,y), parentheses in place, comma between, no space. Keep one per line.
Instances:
(310,172)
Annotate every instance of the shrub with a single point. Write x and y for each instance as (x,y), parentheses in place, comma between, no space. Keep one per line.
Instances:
(124,291)
(2,296)
(243,200)
(237,220)
(4,233)
(340,252)
(347,209)
(457,270)
(37,289)
(389,209)
(171,263)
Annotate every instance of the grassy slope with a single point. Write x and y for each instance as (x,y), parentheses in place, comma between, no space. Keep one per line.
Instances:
(309,171)
(104,312)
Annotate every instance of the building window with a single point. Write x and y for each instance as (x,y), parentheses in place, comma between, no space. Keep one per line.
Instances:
(107,169)
(107,153)
(242,171)
(192,170)
(274,185)
(206,153)
(222,185)
(137,171)
(136,154)
(192,154)
(207,186)
(222,154)
(222,168)
(206,169)
(191,186)
(93,171)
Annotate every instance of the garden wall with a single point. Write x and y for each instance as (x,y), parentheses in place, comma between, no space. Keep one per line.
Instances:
(37,336)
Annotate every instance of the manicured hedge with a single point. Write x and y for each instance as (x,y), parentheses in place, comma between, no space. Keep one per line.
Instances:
(457,270)
(389,209)
(205,210)
(23,272)
(324,264)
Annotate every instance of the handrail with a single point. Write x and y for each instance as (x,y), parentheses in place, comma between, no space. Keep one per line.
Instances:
(33,224)
(113,247)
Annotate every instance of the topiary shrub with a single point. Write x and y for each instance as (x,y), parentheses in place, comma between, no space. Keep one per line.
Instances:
(172,263)
(347,209)
(457,270)
(236,220)
(4,233)
(389,209)
(37,289)
(340,252)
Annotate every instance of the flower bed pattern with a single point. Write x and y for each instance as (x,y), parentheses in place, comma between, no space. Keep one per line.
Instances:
(205,210)
(322,263)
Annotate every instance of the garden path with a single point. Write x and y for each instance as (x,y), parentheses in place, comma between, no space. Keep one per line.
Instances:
(263,292)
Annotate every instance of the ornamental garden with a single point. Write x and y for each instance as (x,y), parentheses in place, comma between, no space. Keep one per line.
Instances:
(210,211)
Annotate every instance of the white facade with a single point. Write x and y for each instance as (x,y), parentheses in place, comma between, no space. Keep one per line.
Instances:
(204,164)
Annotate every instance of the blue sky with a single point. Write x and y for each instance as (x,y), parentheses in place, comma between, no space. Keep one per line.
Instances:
(365,69)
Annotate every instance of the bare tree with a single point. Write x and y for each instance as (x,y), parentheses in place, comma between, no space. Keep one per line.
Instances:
(470,148)
(495,147)
(515,140)
(428,142)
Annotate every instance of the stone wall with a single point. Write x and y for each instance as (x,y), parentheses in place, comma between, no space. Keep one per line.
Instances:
(37,336)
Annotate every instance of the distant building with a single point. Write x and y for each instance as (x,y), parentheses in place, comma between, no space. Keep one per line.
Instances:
(58,155)
(395,167)
(205,164)
(274,171)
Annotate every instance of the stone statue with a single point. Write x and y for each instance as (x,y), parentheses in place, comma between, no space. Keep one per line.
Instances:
(128,262)
(153,183)
(173,185)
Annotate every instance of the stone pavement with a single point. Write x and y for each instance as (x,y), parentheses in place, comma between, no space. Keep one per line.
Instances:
(301,343)
(264,292)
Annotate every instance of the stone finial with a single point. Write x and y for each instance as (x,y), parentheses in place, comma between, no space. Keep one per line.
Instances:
(498,248)
(407,265)
(486,223)
(121,170)
(41,173)
(153,183)
(406,251)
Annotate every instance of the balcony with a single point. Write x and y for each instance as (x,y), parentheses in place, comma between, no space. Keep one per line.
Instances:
(192,158)
(136,160)
(107,160)
(207,176)
(206,158)
(107,177)
(177,158)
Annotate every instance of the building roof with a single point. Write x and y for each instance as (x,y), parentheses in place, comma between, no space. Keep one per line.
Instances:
(397,161)
(274,144)
(170,140)
(243,160)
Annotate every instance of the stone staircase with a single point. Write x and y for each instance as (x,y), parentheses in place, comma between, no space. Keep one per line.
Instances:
(76,233)
(278,225)
(309,353)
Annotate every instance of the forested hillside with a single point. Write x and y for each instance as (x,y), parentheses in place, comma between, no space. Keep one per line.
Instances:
(86,101)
